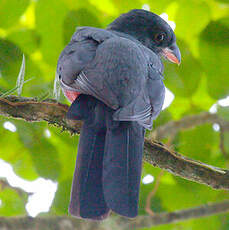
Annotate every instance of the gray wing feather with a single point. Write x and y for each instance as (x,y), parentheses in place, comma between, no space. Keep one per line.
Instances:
(123,74)
(117,73)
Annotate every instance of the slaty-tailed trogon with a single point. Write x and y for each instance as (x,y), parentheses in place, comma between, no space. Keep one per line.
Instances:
(113,77)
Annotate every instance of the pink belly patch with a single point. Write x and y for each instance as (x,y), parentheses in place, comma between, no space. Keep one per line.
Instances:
(71,95)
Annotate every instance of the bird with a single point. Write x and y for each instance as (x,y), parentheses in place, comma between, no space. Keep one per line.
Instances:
(113,78)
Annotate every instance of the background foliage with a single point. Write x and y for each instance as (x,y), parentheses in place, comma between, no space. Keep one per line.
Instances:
(40,29)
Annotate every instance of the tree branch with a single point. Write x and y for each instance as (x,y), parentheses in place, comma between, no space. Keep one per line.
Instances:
(66,223)
(171,128)
(155,153)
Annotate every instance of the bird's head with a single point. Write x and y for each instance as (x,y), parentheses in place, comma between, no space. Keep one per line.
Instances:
(151,30)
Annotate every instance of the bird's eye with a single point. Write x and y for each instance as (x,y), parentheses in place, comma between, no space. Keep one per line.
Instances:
(160,37)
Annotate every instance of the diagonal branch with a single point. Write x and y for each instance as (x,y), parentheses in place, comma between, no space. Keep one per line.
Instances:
(188,122)
(60,223)
(155,153)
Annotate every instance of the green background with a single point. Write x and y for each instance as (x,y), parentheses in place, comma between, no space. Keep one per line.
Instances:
(40,30)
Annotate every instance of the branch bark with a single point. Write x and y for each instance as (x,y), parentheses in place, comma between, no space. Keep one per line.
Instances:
(155,153)
(114,222)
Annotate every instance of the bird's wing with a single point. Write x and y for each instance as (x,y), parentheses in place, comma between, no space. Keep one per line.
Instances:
(115,75)
(79,52)
(155,87)
(146,107)
(114,70)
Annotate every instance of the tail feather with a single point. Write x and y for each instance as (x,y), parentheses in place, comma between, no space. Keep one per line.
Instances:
(122,167)
(87,200)
(109,160)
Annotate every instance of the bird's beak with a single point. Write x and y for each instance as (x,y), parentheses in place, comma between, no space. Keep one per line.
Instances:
(172,53)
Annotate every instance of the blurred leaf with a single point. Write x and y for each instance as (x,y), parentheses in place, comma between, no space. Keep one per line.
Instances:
(201,98)
(49,24)
(12,203)
(18,156)
(225,222)
(223,1)
(226,142)
(223,111)
(199,142)
(10,11)
(125,6)
(183,80)
(164,117)
(62,197)
(80,17)
(10,61)
(188,25)
(26,39)
(214,49)
(67,149)
(158,7)
(43,154)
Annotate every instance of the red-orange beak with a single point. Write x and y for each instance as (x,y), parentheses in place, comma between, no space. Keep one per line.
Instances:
(172,53)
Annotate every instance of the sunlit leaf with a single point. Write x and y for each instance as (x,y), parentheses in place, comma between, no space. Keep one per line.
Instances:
(49,24)
(80,17)
(27,40)
(10,11)
(214,49)
(62,198)
(12,204)
(188,25)
(44,155)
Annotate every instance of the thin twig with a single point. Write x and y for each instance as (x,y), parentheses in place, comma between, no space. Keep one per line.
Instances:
(152,193)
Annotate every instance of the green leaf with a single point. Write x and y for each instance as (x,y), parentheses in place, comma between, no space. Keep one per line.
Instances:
(44,155)
(13,204)
(27,39)
(183,80)
(10,61)
(62,197)
(214,49)
(10,11)
(188,25)
(75,18)
(226,142)
(67,144)
(158,7)
(223,111)
(125,6)
(49,24)
(200,142)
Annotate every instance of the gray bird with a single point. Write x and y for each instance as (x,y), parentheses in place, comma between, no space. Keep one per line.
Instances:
(113,77)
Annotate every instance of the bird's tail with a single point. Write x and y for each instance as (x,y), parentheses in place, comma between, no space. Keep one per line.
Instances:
(122,165)
(109,160)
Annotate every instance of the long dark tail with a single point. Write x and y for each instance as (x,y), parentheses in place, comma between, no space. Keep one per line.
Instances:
(109,160)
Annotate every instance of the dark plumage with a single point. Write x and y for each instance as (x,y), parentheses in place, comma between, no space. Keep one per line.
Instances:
(118,73)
